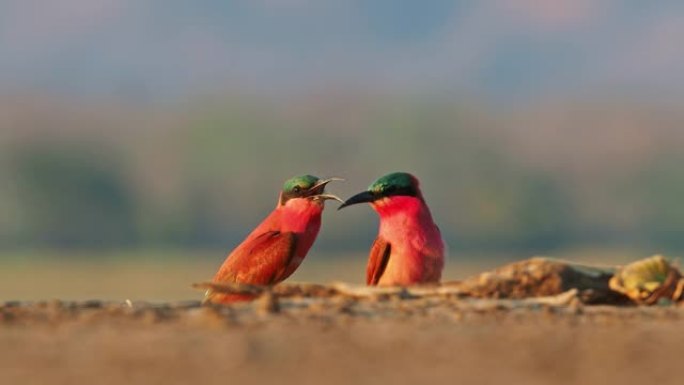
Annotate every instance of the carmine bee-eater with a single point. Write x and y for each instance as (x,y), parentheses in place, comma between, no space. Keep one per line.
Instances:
(409,248)
(274,250)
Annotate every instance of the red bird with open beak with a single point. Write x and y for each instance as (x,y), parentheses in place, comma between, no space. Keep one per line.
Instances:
(274,250)
(409,248)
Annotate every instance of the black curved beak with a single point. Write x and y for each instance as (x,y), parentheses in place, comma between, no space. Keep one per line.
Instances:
(362,197)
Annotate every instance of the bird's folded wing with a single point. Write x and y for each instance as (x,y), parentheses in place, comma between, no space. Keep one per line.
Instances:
(377,260)
(262,260)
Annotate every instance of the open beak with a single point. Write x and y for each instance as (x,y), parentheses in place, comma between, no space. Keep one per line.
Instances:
(362,197)
(324,197)
(318,190)
(321,183)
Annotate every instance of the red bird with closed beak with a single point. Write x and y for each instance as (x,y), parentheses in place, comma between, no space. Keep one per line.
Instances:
(409,248)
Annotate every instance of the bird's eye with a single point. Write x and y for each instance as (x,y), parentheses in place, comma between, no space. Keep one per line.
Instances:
(296,189)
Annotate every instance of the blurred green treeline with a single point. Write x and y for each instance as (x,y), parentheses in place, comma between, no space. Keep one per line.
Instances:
(202,173)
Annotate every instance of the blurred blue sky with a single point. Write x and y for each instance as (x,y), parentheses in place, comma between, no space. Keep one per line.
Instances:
(505,50)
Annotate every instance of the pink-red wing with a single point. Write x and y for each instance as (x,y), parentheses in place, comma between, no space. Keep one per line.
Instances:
(261,261)
(377,261)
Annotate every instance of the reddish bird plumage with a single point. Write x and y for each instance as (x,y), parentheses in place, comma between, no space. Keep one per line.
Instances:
(409,248)
(274,250)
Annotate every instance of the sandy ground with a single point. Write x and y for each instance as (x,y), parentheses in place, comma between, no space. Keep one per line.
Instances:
(339,341)
(332,340)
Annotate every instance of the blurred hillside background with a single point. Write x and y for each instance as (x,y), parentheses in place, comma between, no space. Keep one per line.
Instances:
(536,127)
